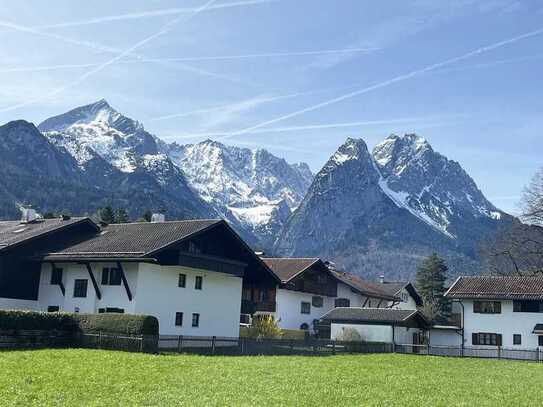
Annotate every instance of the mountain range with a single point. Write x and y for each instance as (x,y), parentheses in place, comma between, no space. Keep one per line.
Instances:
(370,212)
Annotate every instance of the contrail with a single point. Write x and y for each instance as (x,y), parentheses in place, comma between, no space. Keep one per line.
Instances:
(386,83)
(112,50)
(153,13)
(230,105)
(166,28)
(428,119)
(172,59)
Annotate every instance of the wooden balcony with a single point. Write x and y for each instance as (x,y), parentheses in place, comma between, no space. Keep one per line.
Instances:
(250,307)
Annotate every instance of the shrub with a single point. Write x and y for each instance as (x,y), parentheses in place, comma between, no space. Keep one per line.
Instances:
(349,335)
(264,327)
(108,323)
(126,324)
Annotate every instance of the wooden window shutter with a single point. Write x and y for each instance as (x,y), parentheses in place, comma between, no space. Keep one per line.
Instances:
(476,306)
(499,339)
(497,307)
(474,339)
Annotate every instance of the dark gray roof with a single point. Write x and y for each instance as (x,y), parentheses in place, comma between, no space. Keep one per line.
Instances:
(497,287)
(287,268)
(132,240)
(368,315)
(538,329)
(363,286)
(394,287)
(13,233)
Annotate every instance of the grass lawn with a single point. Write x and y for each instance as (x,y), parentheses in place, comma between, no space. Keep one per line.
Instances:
(96,377)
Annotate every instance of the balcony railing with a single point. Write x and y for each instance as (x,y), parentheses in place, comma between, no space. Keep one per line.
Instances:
(250,307)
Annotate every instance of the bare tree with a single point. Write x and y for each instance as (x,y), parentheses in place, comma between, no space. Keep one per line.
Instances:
(518,248)
(532,200)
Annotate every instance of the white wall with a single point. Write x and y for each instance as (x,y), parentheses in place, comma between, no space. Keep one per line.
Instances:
(155,292)
(376,333)
(507,323)
(407,301)
(14,304)
(445,337)
(218,303)
(288,308)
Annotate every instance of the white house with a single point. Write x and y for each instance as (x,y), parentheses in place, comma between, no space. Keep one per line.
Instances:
(309,289)
(189,274)
(500,311)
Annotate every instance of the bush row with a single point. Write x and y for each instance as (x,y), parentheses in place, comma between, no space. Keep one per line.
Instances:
(125,324)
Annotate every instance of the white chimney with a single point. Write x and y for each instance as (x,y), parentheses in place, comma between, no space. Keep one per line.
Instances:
(382,279)
(158,218)
(28,215)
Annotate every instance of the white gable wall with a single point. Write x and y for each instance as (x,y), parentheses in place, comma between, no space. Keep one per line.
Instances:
(155,292)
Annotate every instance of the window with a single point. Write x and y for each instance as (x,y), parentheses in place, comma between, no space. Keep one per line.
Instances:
(195,320)
(517,339)
(482,338)
(179,319)
(193,248)
(115,310)
(80,288)
(342,302)
(305,307)
(317,301)
(182,280)
(111,276)
(487,307)
(540,340)
(53,308)
(528,306)
(198,282)
(56,276)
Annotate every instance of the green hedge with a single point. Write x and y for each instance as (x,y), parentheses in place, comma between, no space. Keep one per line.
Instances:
(126,324)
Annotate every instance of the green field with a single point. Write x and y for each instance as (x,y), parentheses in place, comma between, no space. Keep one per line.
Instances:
(95,377)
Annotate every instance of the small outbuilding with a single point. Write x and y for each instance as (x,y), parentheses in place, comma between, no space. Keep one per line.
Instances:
(378,324)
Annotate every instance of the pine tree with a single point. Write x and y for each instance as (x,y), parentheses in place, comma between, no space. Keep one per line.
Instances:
(121,216)
(146,216)
(106,215)
(431,278)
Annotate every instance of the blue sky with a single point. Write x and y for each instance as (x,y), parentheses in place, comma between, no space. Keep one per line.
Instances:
(294,76)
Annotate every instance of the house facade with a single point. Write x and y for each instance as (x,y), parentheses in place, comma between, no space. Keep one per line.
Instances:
(189,274)
(309,289)
(500,311)
(409,298)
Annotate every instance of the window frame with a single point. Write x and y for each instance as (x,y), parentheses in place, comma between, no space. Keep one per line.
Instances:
(517,339)
(83,281)
(486,339)
(195,320)
(540,340)
(485,307)
(317,301)
(111,276)
(339,301)
(179,319)
(305,307)
(182,278)
(198,282)
(53,308)
(524,306)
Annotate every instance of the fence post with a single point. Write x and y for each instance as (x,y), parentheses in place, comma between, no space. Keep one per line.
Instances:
(213,344)
(499,352)
(179,343)
(242,342)
(100,340)
(333,347)
(141,343)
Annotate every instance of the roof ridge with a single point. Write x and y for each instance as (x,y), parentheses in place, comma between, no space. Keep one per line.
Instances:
(166,222)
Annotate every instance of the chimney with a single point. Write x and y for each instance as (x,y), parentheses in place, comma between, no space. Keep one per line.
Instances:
(158,218)
(382,279)
(29,214)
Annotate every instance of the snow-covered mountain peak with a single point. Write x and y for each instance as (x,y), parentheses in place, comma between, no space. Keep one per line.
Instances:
(396,151)
(352,149)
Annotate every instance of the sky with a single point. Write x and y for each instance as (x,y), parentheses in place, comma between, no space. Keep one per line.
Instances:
(296,77)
